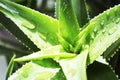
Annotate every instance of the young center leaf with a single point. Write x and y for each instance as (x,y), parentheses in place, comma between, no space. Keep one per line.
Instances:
(68,25)
(80,10)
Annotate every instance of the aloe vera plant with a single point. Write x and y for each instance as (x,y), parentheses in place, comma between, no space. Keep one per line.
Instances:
(69,43)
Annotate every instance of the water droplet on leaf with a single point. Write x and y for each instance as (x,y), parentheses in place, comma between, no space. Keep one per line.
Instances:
(117,20)
(95,29)
(102,23)
(25,75)
(28,25)
(93,35)
(102,37)
(111,31)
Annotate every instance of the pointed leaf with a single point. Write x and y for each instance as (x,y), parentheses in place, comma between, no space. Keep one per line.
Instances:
(68,25)
(79,7)
(54,52)
(40,28)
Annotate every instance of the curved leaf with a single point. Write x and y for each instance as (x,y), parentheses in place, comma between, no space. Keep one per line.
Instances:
(100,33)
(54,52)
(9,25)
(40,28)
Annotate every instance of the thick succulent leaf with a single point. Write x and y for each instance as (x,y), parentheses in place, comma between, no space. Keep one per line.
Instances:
(17,32)
(40,56)
(112,50)
(10,67)
(75,68)
(34,71)
(54,52)
(80,11)
(40,28)
(68,25)
(100,33)
(99,71)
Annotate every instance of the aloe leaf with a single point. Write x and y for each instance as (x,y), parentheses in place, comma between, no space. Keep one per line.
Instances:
(17,32)
(68,25)
(100,33)
(112,50)
(40,28)
(54,52)
(10,67)
(38,56)
(75,68)
(34,71)
(99,71)
(79,7)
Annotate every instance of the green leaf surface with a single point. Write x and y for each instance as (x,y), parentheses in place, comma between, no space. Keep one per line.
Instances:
(80,10)
(68,25)
(40,28)
(10,67)
(35,72)
(99,71)
(75,68)
(100,33)
(9,25)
